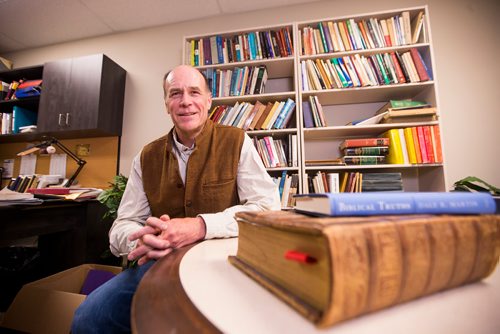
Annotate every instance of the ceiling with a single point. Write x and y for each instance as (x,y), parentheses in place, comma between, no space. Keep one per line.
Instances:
(26,24)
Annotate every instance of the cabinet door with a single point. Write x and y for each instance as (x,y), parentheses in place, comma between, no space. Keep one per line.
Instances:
(54,101)
(70,100)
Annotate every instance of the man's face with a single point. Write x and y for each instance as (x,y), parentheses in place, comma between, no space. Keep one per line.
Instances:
(187,100)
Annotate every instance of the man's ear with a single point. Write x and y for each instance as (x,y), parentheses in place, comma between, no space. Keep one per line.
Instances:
(166,107)
(209,103)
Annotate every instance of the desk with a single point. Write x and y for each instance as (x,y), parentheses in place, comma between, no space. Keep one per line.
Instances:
(228,301)
(70,233)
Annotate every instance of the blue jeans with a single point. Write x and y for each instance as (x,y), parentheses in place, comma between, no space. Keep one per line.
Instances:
(107,308)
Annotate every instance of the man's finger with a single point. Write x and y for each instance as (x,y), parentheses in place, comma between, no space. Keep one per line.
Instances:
(138,252)
(140,233)
(156,223)
(157,254)
(155,242)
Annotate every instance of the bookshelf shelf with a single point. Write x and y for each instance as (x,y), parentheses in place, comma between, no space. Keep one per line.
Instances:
(356,131)
(341,104)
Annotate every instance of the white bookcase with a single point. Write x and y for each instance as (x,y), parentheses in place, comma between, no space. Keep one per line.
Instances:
(340,105)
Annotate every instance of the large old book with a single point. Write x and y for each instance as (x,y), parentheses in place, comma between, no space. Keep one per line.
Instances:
(334,269)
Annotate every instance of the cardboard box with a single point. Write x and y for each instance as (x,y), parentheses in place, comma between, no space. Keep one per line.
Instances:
(48,305)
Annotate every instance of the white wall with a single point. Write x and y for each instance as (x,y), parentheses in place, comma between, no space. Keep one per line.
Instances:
(466,44)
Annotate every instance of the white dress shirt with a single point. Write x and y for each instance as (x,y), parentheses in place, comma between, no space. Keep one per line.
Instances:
(256,191)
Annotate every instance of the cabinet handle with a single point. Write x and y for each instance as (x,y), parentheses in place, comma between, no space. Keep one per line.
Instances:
(60,118)
(67,119)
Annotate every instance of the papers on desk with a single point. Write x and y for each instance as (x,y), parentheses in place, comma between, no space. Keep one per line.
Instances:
(9,197)
(68,193)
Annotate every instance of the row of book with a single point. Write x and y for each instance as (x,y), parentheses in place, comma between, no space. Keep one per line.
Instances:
(288,186)
(22,183)
(330,36)
(415,145)
(361,71)
(277,153)
(256,45)
(15,121)
(247,80)
(312,110)
(258,116)
(332,182)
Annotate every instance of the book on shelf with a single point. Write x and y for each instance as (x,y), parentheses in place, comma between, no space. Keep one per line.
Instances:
(366,150)
(401,105)
(325,162)
(416,27)
(395,155)
(377,118)
(364,159)
(333,269)
(361,142)
(376,203)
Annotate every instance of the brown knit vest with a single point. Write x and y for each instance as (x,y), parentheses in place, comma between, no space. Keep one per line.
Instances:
(210,174)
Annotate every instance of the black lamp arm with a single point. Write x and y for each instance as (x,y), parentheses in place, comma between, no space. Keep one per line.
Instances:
(80,162)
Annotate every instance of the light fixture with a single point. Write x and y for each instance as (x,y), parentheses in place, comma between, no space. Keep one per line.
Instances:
(48,144)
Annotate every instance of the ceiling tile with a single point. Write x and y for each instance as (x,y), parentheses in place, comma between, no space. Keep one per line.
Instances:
(231,6)
(122,15)
(36,23)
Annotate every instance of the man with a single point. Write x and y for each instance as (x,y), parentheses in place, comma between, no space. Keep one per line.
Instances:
(183,187)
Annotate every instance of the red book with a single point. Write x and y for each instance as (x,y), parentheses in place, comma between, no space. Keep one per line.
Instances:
(421,143)
(428,144)
(50,191)
(419,65)
(397,67)
(360,142)
(436,135)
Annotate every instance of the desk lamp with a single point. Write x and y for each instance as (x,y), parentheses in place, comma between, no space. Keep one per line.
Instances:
(47,144)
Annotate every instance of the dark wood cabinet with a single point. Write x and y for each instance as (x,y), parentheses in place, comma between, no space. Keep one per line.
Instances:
(82,97)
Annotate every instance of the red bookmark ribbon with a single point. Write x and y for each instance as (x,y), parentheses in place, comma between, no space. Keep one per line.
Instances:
(299,257)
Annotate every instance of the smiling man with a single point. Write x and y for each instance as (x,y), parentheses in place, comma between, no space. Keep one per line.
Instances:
(183,187)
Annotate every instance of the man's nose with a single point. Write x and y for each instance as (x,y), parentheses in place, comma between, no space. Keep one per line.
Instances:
(185,100)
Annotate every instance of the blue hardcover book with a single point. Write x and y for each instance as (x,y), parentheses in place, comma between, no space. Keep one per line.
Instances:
(220,52)
(307,113)
(22,117)
(384,203)
(282,114)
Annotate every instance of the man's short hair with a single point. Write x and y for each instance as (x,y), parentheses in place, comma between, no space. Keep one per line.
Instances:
(207,85)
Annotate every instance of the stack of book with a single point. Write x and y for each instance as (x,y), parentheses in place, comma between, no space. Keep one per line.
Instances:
(323,182)
(23,183)
(414,145)
(314,117)
(339,36)
(364,70)
(364,151)
(258,116)
(218,49)
(277,153)
(402,111)
(238,81)
(382,182)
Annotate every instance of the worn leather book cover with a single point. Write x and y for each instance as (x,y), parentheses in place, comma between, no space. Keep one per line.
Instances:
(334,269)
